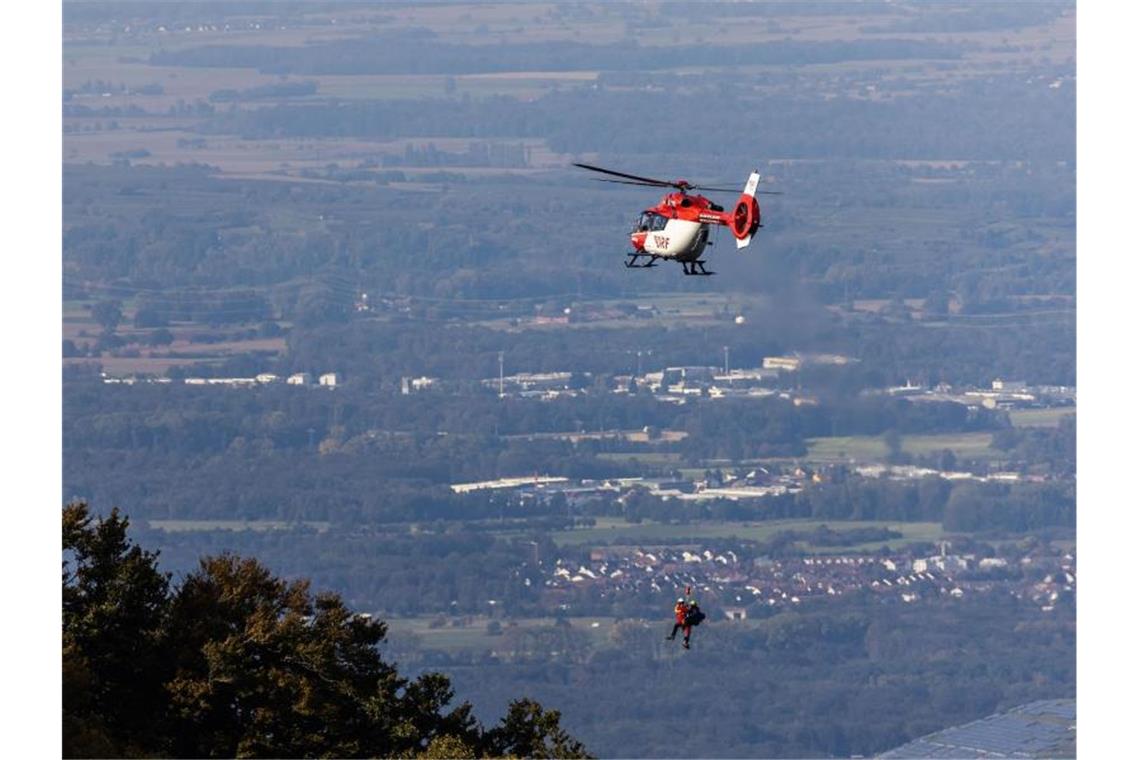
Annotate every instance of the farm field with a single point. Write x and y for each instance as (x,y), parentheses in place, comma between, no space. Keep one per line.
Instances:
(294,158)
(186,347)
(607,530)
(401,86)
(436,632)
(873,449)
(858,449)
(128,366)
(182,526)
(660,309)
(651,457)
(180,354)
(1040,417)
(148,105)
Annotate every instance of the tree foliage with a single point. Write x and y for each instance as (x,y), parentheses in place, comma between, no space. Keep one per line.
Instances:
(235,662)
(108,314)
(114,618)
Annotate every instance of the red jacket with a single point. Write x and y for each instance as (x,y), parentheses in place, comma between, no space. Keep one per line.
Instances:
(679,611)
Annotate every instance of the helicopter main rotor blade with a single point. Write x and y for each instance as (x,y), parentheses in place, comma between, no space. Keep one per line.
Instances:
(647,180)
(715,189)
(703,188)
(731,190)
(627,182)
(650,182)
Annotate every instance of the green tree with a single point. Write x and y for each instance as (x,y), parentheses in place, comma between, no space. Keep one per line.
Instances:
(267,670)
(114,610)
(149,315)
(893,441)
(108,314)
(937,303)
(448,748)
(964,508)
(530,731)
(239,663)
(160,337)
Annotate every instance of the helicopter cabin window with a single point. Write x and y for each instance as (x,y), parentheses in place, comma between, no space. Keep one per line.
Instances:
(651,222)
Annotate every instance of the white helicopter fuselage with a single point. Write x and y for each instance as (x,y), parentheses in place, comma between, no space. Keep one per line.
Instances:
(679,239)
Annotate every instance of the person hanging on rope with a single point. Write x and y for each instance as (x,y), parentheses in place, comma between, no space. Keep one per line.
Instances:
(686,614)
(693,616)
(680,611)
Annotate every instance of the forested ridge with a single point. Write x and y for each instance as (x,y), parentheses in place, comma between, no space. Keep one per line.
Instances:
(235,662)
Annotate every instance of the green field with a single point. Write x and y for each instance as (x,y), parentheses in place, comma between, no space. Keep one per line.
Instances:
(606,530)
(871,448)
(473,634)
(644,457)
(181,526)
(1040,417)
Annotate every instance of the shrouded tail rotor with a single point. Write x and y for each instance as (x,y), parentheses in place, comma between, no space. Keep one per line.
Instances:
(745,218)
(746,215)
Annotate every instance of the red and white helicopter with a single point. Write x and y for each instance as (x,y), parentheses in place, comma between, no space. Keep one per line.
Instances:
(677,228)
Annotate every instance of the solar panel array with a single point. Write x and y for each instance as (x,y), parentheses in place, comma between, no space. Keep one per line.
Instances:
(1039,729)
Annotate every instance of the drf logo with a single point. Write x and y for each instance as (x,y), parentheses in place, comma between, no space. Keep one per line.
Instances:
(662,241)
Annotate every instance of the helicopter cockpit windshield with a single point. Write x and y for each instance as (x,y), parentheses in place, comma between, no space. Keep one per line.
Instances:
(651,222)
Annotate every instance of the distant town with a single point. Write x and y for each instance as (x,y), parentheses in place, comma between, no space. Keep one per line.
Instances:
(673,384)
(1042,575)
(325,380)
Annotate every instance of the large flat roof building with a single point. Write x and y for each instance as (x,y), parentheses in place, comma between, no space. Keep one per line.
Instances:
(1047,728)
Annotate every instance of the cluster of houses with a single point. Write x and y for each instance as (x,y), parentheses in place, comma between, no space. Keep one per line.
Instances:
(326,380)
(544,385)
(673,384)
(1002,394)
(677,384)
(912,472)
(730,585)
(757,484)
(174,28)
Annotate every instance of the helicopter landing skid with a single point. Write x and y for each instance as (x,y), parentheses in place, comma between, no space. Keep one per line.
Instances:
(696,268)
(632,257)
